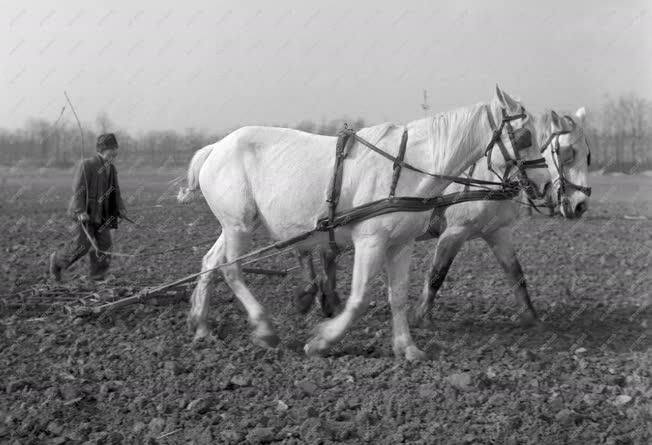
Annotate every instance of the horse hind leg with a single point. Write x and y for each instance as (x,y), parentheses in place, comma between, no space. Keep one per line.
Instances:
(329,299)
(237,242)
(317,288)
(304,297)
(197,318)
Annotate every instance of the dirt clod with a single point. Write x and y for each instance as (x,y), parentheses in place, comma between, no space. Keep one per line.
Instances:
(231,436)
(461,381)
(281,406)
(565,417)
(307,387)
(261,435)
(199,406)
(156,425)
(622,399)
(240,380)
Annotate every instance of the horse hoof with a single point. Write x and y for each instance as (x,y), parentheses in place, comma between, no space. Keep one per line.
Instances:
(192,323)
(414,354)
(268,341)
(200,333)
(315,347)
(330,304)
(529,320)
(304,298)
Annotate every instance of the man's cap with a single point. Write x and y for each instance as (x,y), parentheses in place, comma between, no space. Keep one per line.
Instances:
(106,141)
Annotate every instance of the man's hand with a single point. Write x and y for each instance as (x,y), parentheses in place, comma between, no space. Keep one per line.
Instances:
(82,217)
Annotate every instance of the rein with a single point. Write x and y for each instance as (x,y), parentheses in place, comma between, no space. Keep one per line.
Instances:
(411,204)
(401,163)
(509,189)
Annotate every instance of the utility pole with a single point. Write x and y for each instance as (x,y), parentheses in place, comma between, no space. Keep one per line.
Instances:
(425,106)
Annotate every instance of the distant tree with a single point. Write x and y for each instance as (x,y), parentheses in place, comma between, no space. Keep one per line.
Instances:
(193,140)
(307,126)
(626,132)
(39,130)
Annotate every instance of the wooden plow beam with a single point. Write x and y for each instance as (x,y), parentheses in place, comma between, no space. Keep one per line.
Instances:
(150,292)
(376,208)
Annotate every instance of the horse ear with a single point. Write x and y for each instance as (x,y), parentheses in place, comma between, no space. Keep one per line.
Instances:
(506,100)
(580,114)
(498,94)
(556,120)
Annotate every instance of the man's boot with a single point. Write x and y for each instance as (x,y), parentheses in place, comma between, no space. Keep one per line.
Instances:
(55,269)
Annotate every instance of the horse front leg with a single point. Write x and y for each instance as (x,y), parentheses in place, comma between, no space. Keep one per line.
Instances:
(369,254)
(501,244)
(397,265)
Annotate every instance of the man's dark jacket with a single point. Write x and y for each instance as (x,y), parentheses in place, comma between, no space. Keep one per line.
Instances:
(96,191)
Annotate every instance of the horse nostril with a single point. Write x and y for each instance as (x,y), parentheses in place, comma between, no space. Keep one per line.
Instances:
(580,208)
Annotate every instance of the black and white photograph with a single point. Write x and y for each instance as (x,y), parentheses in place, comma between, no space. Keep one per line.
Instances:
(326,222)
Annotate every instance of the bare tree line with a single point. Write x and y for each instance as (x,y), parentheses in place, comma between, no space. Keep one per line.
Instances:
(59,144)
(620,136)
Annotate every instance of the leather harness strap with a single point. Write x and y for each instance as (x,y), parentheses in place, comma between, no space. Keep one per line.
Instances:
(521,165)
(497,140)
(470,175)
(392,203)
(456,179)
(397,163)
(564,183)
(335,187)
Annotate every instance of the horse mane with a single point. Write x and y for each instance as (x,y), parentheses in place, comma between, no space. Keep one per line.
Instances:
(444,133)
(450,130)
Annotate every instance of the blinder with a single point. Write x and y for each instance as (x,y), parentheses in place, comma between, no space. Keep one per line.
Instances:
(588,155)
(521,138)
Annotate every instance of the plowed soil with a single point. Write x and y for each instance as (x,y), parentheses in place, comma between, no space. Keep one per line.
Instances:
(135,376)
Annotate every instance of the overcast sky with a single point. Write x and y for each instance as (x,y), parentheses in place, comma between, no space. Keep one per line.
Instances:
(215,65)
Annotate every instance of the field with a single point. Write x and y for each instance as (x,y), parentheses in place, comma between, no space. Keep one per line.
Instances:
(135,376)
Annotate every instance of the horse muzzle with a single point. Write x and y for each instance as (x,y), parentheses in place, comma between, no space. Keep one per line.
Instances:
(573,211)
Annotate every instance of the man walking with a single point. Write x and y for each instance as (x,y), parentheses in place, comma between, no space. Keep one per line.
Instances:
(96,205)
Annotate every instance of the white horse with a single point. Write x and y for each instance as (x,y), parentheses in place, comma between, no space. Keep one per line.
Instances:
(567,154)
(278,179)
(492,220)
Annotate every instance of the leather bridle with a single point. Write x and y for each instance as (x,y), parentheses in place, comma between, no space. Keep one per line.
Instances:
(520,139)
(564,183)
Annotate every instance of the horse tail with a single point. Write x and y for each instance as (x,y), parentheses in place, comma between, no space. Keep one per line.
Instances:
(190,192)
